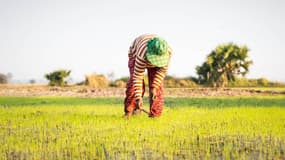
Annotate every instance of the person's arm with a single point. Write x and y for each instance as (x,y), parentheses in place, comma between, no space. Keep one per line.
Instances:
(159,77)
(161,73)
(140,65)
(132,48)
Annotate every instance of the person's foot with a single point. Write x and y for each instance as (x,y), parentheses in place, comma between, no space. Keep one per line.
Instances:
(127,115)
(137,112)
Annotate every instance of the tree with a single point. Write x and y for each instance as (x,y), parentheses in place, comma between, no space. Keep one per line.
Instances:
(32,81)
(57,78)
(3,79)
(224,64)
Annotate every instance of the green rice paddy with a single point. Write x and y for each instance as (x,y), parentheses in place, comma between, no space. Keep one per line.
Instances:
(189,128)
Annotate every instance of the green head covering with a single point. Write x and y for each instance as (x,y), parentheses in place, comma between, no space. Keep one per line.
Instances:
(157,52)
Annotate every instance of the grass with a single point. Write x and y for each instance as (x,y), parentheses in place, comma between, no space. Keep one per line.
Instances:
(252,101)
(190,128)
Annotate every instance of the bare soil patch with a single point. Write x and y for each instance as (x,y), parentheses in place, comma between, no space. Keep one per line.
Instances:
(85,91)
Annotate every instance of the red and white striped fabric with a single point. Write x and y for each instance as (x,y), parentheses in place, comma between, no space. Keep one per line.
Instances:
(138,51)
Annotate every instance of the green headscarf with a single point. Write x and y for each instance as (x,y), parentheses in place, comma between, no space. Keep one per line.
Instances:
(157,52)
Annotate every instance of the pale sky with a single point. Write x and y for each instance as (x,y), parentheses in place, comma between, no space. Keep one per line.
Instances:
(87,36)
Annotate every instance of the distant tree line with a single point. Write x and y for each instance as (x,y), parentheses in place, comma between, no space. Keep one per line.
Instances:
(225,66)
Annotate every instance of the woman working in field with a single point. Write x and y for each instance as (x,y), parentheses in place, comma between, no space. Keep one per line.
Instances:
(152,53)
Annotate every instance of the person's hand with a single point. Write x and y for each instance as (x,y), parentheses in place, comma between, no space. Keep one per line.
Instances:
(153,93)
(139,103)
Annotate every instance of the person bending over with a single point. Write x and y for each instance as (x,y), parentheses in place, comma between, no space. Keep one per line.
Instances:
(151,53)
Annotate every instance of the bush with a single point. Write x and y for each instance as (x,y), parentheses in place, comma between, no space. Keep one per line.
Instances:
(124,79)
(169,82)
(173,82)
(32,81)
(57,78)
(118,83)
(96,80)
(260,82)
(3,79)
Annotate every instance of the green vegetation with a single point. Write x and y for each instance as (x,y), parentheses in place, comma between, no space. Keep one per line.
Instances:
(224,64)
(192,82)
(217,102)
(57,78)
(190,128)
(260,82)
(3,79)
(173,82)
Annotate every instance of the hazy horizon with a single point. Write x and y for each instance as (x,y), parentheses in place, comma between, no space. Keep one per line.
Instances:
(87,36)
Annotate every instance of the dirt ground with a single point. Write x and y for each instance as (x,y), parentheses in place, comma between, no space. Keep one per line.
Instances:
(85,91)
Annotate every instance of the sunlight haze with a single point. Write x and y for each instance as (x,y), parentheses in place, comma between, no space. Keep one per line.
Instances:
(87,36)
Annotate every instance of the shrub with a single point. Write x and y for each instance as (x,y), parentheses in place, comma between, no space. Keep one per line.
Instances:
(124,79)
(173,82)
(57,78)
(96,80)
(118,83)
(3,79)
(32,81)
(260,82)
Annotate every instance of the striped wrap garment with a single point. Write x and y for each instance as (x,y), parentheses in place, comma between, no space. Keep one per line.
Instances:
(138,51)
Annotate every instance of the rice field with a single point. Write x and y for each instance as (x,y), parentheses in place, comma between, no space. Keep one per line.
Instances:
(190,128)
